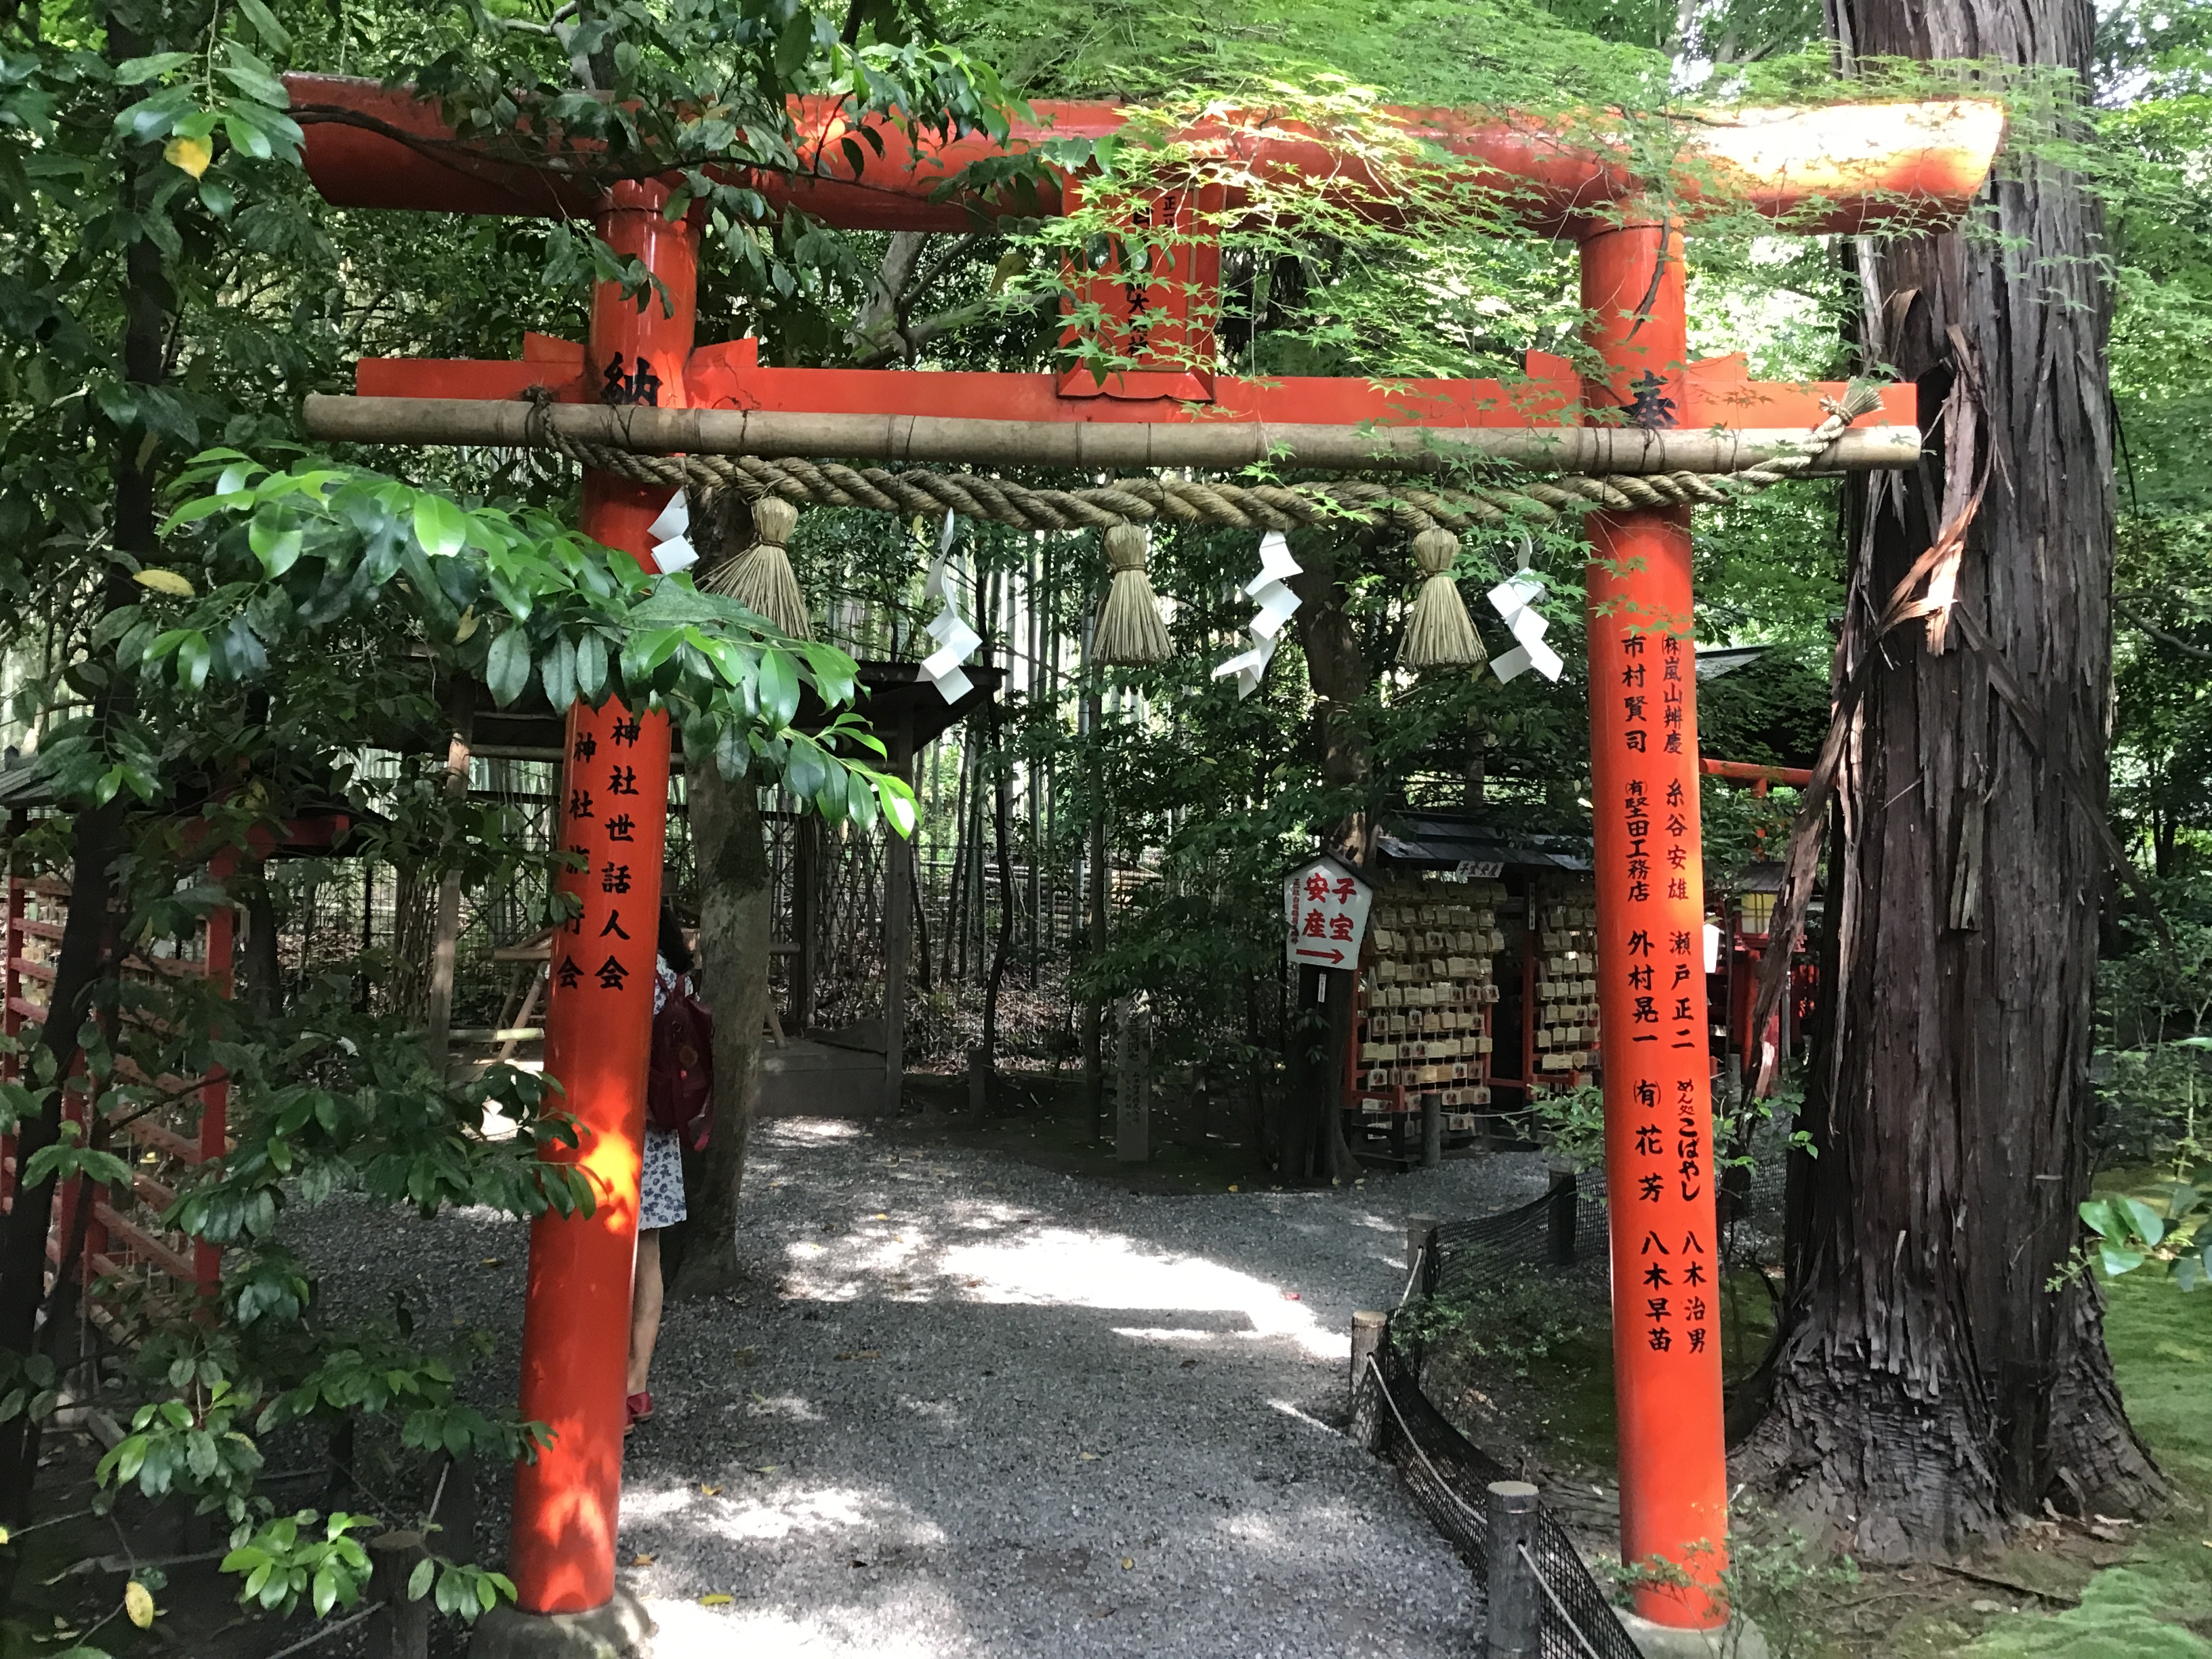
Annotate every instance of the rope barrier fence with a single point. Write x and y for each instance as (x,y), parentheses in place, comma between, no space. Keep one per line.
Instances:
(1449,1475)
(1446,1472)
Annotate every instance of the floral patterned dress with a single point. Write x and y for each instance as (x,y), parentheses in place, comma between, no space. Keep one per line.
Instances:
(661,1192)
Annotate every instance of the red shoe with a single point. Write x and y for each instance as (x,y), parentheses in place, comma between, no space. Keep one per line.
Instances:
(640,1408)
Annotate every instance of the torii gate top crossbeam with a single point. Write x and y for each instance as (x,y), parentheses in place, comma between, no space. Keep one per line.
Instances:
(1837,168)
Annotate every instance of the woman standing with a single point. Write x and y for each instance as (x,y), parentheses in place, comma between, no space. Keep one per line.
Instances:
(660,1190)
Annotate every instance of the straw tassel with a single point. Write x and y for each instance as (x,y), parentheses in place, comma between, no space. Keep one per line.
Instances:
(1439,634)
(760,578)
(1130,633)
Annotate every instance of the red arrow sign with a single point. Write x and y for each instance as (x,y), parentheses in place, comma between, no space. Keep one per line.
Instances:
(1331,956)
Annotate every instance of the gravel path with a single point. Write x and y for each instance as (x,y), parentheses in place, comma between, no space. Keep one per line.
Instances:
(974,1408)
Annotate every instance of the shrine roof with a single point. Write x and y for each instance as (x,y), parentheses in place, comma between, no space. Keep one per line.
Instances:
(900,700)
(1444,840)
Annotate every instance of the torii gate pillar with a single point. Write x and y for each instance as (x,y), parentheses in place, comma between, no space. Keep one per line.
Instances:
(613,818)
(1650,958)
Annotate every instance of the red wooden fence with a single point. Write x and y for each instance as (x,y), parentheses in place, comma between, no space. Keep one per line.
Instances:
(125,1240)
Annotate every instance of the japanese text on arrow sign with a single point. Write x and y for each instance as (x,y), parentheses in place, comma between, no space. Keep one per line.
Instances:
(1327,907)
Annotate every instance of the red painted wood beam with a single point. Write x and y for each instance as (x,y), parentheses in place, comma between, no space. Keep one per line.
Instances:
(599,1009)
(1750,771)
(1714,392)
(1839,168)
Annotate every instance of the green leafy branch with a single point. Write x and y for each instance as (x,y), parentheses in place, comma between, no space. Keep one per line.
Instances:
(510,596)
(2130,1234)
(283,1561)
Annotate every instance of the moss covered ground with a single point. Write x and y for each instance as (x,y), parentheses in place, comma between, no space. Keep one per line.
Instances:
(2102,1589)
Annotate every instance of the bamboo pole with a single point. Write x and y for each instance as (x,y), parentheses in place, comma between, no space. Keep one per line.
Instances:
(1086,445)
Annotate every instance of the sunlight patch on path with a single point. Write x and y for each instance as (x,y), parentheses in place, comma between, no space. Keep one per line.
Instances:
(1059,1267)
(689,1630)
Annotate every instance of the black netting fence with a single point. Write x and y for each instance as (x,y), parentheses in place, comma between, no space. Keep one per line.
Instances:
(1561,1235)
(1449,1476)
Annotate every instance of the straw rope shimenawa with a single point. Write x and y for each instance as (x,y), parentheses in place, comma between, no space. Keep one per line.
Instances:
(1439,634)
(1130,632)
(759,577)
(1144,500)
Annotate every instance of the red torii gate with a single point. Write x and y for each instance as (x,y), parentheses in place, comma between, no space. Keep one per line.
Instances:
(1838,169)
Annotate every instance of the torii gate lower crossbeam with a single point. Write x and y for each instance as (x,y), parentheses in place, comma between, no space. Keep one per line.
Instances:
(1644,764)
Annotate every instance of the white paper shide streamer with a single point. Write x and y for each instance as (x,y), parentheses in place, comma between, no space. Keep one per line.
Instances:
(1271,591)
(670,536)
(955,639)
(1515,600)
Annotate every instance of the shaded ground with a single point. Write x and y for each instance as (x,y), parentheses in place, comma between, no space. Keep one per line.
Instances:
(972,1405)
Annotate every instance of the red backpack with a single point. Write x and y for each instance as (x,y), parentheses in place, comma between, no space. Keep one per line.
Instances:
(679,1080)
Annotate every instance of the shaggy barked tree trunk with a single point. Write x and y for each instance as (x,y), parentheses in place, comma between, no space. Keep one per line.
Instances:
(735,895)
(1932,1384)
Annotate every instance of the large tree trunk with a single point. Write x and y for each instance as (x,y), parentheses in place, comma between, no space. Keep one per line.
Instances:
(734,900)
(1931,1387)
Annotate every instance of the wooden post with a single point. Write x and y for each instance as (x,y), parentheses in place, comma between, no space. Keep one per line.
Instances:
(400,1629)
(1516,1602)
(456,1514)
(1368,1326)
(805,874)
(12,1004)
(898,930)
(1560,1218)
(1531,943)
(1418,1229)
(1094,888)
(214,1096)
(1132,1127)
(1432,1129)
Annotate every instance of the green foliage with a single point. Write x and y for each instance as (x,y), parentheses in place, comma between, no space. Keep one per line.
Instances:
(463,1589)
(294,552)
(169,286)
(395,1377)
(31,1386)
(1572,1123)
(2153,1062)
(194,1443)
(2131,1231)
(281,1562)
(1506,1321)
(1773,711)
(1787,1587)
(67,1159)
